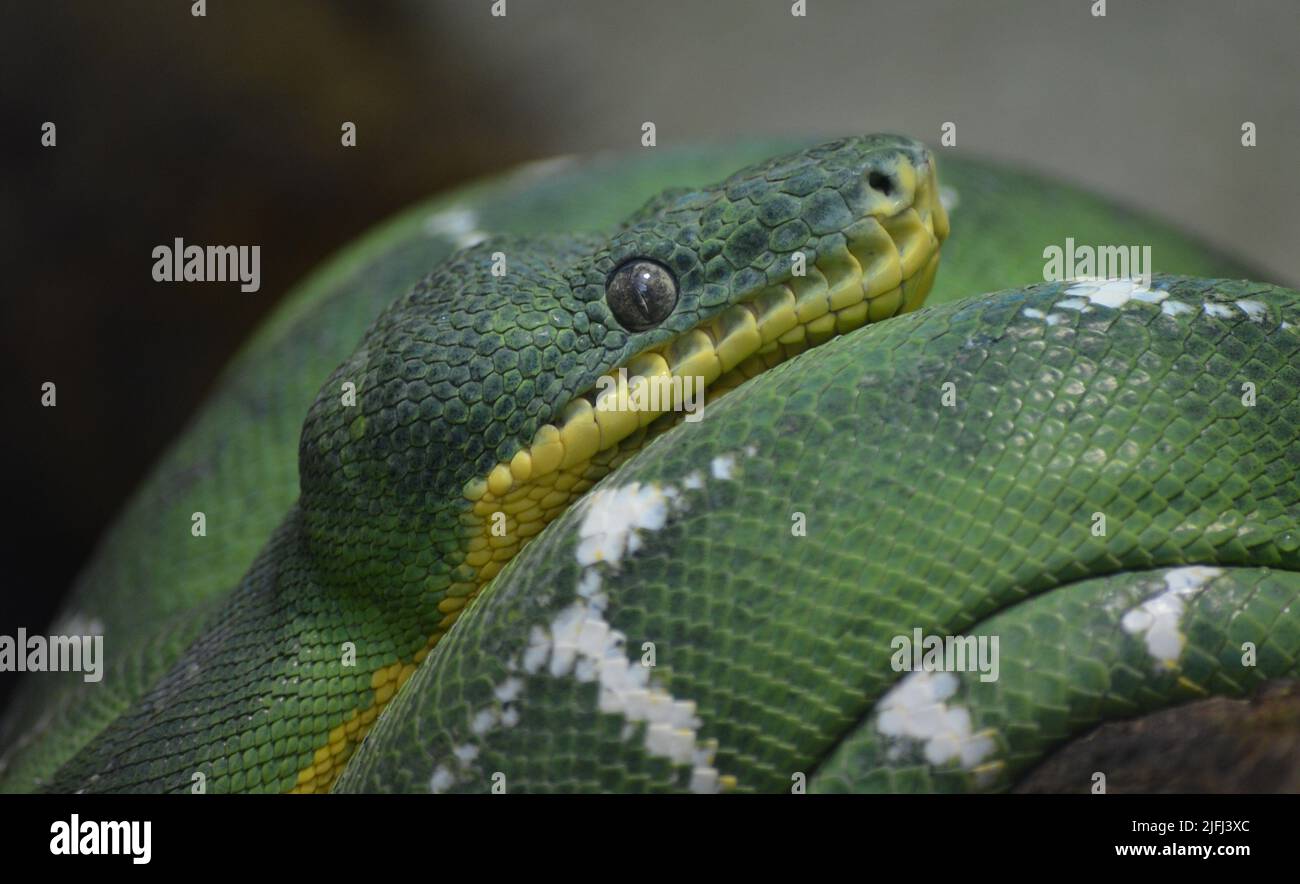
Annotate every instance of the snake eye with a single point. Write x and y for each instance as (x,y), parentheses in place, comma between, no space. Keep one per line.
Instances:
(881,182)
(641,294)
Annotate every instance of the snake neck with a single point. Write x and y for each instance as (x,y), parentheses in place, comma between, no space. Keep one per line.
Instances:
(441,388)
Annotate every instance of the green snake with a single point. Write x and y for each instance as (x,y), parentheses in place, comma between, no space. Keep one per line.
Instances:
(475,567)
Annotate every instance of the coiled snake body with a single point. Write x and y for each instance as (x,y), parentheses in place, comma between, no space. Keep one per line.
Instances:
(499,575)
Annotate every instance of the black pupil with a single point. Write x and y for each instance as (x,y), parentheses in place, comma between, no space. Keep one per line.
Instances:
(641,284)
(641,294)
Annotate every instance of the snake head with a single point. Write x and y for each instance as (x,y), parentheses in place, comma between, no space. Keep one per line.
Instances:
(718,284)
(523,369)
(781,256)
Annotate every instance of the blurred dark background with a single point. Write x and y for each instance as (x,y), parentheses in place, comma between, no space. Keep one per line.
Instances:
(225,129)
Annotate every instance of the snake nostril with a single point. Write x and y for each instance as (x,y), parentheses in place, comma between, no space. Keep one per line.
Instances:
(881,182)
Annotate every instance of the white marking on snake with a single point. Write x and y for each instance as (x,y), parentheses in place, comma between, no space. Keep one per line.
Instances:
(442,780)
(616,516)
(1115,293)
(916,709)
(1157,619)
(1072,304)
(483,721)
(1220,310)
(1255,310)
(458,224)
(1173,308)
(509,689)
(723,466)
(1049,318)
